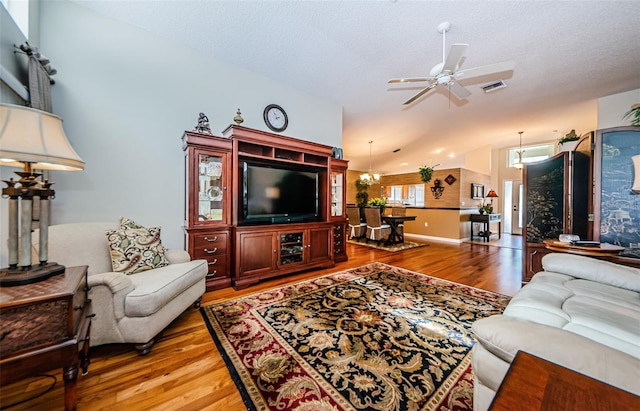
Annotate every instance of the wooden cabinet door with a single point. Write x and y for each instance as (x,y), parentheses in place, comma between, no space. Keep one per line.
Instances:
(319,244)
(256,253)
(532,261)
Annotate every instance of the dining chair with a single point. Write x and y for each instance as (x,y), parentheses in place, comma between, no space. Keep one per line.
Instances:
(357,229)
(401,212)
(375,229)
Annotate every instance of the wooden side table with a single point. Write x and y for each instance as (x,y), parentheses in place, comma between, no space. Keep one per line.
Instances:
(534,384)
(45,325)
(602,250)
(486,220)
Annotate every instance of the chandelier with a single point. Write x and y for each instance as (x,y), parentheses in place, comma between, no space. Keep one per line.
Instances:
(369,178)
(519,163)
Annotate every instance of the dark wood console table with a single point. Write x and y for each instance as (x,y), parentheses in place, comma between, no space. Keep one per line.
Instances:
(535,384)
(486,220)
(46,325)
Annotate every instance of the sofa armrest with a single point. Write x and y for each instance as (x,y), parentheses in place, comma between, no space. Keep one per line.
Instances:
(175,256)
(504,337)
(118,284)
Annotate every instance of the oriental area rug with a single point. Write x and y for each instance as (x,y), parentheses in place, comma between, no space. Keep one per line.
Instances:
(376,337)
(393,247)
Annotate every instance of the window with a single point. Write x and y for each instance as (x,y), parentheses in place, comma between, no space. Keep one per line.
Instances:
(406,195)
(19,12)
(531,154)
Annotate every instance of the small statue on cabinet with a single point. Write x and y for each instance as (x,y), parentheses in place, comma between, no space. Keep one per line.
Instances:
(203,124)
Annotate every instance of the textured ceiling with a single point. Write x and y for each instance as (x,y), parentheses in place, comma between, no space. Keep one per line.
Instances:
(567,55)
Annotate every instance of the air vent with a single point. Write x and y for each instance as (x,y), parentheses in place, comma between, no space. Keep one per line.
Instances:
(488,88)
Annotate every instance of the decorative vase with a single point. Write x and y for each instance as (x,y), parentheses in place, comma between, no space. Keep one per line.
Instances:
(568,146)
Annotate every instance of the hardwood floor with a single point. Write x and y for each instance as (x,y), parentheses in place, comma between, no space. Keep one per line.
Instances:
(184,370)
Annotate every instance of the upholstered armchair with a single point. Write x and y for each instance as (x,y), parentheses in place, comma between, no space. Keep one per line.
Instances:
(375,229)
(357,229)
(128,308)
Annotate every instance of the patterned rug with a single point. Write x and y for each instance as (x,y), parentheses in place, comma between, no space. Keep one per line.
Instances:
(376,337)
(395,247)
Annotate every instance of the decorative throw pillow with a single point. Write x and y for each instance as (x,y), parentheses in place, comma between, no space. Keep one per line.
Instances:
(135,248)
(128,223)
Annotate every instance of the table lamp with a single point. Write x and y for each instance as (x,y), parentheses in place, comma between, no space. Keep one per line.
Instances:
(31,139)
(492,194)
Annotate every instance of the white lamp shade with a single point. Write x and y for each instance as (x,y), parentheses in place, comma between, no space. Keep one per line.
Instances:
(33,136)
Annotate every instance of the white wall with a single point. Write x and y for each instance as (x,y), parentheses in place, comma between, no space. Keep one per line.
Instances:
(479,160)
(126,97)
(612,108)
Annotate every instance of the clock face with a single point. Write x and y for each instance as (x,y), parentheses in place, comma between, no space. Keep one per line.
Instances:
(275,118)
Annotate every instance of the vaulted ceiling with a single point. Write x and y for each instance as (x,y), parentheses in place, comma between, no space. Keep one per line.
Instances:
(567,55)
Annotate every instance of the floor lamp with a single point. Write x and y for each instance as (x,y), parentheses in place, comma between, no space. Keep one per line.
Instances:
(32,140)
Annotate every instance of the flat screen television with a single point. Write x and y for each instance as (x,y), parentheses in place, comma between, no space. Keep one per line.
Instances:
(279,193)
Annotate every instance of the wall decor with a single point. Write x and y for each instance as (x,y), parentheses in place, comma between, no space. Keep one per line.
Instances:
(437,189)
(450,179)
(275,118)
(477,191)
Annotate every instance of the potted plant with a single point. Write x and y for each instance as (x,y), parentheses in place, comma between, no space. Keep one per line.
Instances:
(362,197)
(378,202)
(571,136)
(426,172)
(485,209)
(633,115)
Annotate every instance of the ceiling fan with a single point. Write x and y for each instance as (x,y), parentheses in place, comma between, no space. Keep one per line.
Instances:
(447,73)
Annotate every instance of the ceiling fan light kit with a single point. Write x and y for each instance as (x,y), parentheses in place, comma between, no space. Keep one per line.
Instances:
(448,72)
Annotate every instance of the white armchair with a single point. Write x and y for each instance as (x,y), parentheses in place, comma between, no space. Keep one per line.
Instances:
(130,308)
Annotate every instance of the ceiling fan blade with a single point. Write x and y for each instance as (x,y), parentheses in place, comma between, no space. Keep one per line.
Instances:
(409,80)
(457,90)
(456,53)
(421,93)
(485,70)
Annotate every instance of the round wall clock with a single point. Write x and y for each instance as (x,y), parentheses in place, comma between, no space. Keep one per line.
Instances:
(275,117)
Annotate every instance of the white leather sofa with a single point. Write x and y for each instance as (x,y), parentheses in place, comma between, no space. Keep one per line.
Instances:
(580,312)
(130,308)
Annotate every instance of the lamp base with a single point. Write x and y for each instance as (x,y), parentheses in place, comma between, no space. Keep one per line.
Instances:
(10,277)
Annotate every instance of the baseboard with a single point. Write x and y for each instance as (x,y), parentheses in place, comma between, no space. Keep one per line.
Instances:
(431,238)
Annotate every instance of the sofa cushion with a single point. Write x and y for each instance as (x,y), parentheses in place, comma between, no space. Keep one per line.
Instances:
(593,269)
(152,289)
(606,322)
(136,249)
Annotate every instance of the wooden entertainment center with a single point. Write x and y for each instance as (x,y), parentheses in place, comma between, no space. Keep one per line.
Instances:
(240,251)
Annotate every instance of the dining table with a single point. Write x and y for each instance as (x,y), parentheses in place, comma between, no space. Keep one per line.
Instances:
(394,221)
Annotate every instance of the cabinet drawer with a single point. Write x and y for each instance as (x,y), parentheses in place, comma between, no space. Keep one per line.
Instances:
(216,266)
(80,302)
(209,244)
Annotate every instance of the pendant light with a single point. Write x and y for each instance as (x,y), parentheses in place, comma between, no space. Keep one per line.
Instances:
(519,164)
(370,178)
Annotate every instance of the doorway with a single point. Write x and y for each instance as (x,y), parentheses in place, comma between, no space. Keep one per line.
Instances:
(512,206)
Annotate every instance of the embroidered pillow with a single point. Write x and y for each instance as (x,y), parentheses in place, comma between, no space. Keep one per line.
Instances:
(135,248)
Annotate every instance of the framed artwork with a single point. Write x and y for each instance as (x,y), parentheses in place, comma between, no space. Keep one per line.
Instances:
(477,191)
